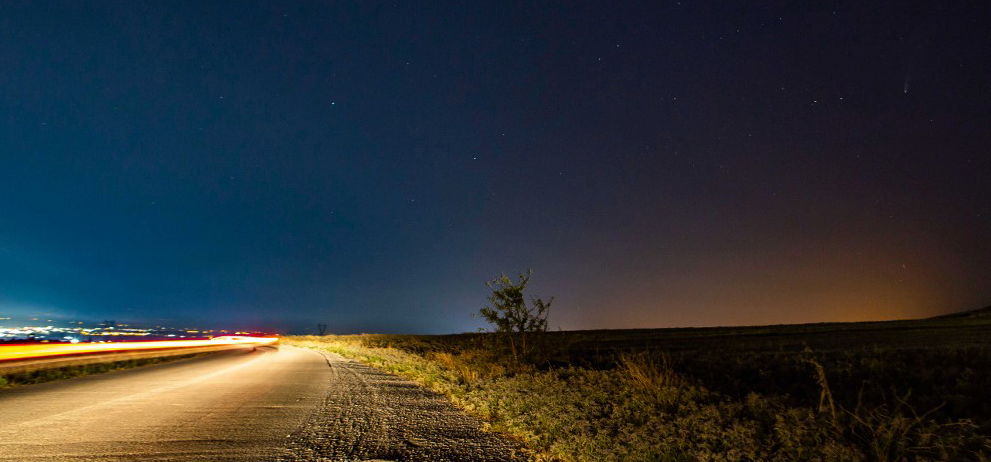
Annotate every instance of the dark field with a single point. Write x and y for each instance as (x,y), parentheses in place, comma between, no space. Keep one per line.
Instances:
(899,390)
(942,362)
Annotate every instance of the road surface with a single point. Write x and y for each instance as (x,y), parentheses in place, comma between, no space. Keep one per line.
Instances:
(271,404)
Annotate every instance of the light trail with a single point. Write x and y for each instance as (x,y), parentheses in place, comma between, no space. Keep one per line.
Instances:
(42,350)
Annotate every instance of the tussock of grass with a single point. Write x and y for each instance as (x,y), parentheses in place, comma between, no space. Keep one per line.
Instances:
(644,406)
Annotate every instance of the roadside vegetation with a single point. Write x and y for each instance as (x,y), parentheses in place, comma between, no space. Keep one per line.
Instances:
(67,372)
(718,402)
(878,391)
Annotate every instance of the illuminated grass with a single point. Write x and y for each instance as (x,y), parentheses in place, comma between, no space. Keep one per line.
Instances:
(890,393)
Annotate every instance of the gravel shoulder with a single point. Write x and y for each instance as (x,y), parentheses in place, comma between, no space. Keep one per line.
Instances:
(368,414)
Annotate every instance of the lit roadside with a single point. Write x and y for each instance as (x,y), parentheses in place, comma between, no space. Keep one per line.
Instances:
(15,353)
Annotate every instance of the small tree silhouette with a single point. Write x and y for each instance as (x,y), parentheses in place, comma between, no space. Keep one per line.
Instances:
(512,316)
(321,329)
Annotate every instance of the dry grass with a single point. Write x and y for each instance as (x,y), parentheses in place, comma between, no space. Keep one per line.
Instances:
(655,404)
(649,372)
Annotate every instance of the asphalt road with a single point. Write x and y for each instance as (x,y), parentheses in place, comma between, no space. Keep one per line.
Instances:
(271,404)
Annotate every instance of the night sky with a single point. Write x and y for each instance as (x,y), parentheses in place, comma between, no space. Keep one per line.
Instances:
(370,165)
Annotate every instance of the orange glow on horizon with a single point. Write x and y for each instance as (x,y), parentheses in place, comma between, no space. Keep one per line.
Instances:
(42,350)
